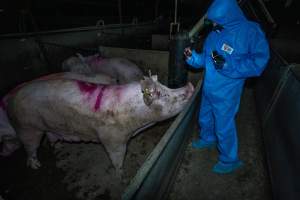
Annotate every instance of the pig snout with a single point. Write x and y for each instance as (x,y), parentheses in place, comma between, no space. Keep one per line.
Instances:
(187,92)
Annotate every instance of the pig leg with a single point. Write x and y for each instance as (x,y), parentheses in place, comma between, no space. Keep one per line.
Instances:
(116,150)
(117,153)
(31,139)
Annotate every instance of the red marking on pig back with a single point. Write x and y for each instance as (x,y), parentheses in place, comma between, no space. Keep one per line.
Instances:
(85,87)
(99,98)
(90,88)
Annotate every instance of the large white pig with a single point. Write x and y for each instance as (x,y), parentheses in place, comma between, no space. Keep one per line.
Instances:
(123,70)
(80,111)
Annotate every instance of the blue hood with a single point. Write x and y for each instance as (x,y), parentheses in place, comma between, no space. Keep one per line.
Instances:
(226,13)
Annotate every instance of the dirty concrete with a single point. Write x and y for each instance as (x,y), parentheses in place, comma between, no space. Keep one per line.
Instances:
(196,181)
(75,171)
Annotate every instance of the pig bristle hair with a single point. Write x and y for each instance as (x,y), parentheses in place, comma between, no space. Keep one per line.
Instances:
(149,72)
(80,57)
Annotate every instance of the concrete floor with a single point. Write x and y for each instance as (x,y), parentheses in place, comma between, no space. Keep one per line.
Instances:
(196,181)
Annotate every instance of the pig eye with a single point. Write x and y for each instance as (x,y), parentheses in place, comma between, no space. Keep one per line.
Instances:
(147,92)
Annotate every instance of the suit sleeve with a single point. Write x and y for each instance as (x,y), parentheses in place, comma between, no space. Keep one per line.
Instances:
(251,64)
(196,60)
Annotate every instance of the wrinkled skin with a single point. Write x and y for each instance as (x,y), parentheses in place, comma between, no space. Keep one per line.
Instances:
(123,70)
(8,138)
(79,111)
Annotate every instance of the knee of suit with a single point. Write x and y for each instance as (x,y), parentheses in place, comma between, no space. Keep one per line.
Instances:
(206,119)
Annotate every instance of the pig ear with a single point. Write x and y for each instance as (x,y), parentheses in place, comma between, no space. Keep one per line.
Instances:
(147,84)
(148,90)
(81,58)
(154,77)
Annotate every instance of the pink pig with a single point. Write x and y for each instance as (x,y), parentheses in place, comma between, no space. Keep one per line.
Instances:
(123,70)
(80,111)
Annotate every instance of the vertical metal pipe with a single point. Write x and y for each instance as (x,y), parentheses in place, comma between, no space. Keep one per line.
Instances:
(177,75)
(120,15)
(120,11)
(266,11)
(156,8)
(197,28)
(175,17)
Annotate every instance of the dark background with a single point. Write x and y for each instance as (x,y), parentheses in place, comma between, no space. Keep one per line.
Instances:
(36,15)
(57,14)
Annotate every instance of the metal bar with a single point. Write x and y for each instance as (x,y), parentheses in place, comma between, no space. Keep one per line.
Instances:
(267,13)
(197,28)
(281,138)
(120,10)
(175,17)
(277,91)
(250,6)
(88,28)
(156,8)
(71,47)
(269,84)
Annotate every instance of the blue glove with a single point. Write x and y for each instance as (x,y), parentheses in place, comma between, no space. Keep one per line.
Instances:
(218,60)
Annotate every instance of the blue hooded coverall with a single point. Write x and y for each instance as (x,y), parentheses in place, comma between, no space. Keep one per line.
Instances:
(245,49)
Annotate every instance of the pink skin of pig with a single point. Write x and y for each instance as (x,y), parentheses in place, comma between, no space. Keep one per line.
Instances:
(123,70)
(80,111)
(8,137)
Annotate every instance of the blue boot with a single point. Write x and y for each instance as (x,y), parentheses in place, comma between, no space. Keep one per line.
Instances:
(201,144)
(224,168)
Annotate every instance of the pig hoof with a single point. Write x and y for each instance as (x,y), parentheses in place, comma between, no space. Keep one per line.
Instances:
(33,163)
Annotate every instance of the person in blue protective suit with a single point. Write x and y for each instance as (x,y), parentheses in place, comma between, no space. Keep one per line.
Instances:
(234,50)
